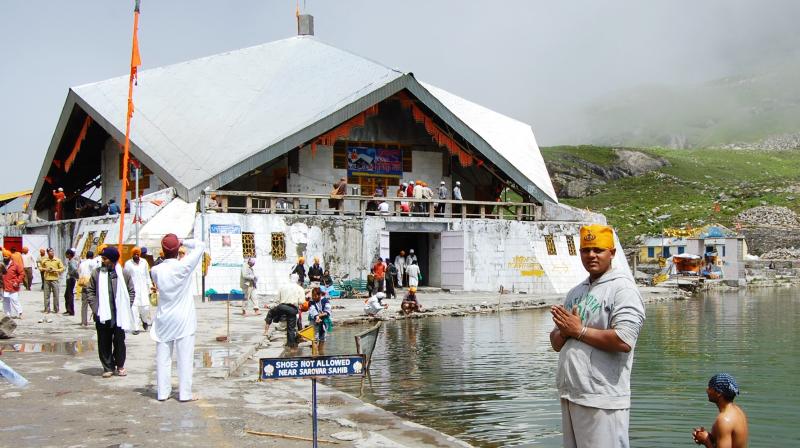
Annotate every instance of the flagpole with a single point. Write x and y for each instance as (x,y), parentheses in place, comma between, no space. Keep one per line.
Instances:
(135,62)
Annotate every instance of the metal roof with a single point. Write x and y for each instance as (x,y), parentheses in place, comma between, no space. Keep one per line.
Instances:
(208,121)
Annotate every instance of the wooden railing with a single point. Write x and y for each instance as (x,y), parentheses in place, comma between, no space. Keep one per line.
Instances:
(349,205)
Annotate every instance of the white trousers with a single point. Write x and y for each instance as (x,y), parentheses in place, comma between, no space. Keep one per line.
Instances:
(184,354)
(250,299)
(586,427)
(400,271)
(11,305)
(140,314)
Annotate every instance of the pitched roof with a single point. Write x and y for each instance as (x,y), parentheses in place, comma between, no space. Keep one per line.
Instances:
(209,121)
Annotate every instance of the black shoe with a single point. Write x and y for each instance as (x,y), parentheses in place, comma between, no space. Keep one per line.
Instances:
(145,326)
(136,332)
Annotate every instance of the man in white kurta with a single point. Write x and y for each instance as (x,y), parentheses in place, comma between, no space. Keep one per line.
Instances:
(400,264)
(176,320)
(139,271)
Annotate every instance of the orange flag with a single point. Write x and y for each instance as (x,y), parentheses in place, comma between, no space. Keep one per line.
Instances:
(136,61)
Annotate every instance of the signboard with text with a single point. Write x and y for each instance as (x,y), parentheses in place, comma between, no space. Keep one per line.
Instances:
(225,245)
(377,162)
(311,367)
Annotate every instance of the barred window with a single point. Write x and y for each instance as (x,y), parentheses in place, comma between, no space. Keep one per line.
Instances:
(571,245)
(278,246)
(248,244)
(87,245)
(101,239)
(551,245)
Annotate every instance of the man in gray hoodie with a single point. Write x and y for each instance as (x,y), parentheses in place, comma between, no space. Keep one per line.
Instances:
(595,334)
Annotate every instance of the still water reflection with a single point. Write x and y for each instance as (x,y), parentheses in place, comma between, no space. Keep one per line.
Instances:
(490,379)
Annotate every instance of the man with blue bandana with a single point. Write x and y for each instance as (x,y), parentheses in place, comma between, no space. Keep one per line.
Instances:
(595,334)
(730,428)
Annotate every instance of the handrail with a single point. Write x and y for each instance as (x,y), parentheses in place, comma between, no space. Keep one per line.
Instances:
(290,203)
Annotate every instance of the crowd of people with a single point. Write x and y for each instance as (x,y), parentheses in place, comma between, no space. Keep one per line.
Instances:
(406,189)
(310,291)
(121,299)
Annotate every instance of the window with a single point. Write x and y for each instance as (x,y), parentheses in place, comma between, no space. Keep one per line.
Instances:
(681,250)
(340,155)
(571,245)
(278,246)
(294,161)
(408,165)
(665,251)
(101,239)
(368,184)
(651,252)
(248,244)
(87,245)
(551,245)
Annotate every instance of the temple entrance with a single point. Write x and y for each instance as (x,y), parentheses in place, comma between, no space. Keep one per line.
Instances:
(424,244)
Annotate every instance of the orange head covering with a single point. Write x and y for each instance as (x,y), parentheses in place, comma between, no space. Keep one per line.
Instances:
(301,260)
(6,253)
(412,289)
(136,251)
(597,236)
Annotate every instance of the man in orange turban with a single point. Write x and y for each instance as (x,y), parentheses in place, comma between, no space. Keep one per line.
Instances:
(596,331)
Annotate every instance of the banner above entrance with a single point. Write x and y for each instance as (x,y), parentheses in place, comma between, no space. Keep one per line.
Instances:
(374,162)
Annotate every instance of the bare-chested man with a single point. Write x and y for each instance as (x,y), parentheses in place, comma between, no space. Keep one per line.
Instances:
(730,427)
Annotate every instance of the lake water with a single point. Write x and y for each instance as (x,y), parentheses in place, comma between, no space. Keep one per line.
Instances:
(489,379)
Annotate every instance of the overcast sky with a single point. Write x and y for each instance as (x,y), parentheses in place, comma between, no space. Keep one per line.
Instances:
(541,62)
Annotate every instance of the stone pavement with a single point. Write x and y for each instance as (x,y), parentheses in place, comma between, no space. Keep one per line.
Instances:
(68,403)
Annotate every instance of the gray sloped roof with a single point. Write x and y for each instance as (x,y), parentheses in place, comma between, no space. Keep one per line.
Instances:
(208,121)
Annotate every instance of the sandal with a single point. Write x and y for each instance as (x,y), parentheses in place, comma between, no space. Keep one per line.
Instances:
(108,374)
(122,372)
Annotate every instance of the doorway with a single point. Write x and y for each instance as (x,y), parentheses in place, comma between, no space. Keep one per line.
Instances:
(420,242)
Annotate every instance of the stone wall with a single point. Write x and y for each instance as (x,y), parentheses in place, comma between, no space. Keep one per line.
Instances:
(497,253)
(763,239)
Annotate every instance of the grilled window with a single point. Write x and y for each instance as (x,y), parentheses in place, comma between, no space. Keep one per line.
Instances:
(551,245)
(248,244)
(571,245)
(278,246)
(101,239)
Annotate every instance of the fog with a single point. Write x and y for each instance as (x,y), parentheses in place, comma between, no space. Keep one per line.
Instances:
(559,66)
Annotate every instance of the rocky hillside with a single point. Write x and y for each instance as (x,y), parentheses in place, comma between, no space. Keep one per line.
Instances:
(576,177)
(642,191)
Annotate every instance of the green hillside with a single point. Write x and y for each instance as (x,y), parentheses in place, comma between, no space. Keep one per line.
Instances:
(688,189)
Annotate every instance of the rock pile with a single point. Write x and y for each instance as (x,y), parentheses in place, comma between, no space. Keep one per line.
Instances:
(770,216)
(774,143)
(782,254)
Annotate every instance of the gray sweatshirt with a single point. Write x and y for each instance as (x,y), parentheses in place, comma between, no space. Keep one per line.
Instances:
(589,376)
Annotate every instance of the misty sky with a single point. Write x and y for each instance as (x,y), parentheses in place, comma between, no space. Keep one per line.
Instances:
(541,62)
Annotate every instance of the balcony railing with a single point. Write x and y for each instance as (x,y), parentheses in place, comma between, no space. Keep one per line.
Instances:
(349,205)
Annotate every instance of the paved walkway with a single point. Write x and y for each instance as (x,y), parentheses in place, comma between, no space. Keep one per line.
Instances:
(69,404)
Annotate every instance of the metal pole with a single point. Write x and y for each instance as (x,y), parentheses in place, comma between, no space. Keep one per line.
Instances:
(137,214)
(228,325)
(203,238)
(314,410)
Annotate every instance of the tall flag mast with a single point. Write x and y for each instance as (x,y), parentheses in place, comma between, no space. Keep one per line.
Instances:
(136,61)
